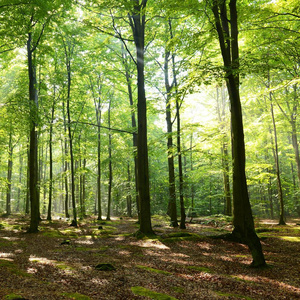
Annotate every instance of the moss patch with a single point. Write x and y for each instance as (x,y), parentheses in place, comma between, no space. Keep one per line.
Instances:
(201,269)
(12,297)
(13,268)
(76,296)
(181,236)
(290,238)
(154,270)
(178,289)
(52,233)
(141,291)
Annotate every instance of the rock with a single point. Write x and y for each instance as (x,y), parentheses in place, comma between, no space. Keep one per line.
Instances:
(100,227)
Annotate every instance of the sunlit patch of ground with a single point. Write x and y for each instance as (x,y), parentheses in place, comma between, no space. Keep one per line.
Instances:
(185,265)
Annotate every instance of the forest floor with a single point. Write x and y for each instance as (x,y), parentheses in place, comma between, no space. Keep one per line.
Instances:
(60,261)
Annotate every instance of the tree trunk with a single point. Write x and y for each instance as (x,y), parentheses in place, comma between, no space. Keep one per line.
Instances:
(181,196)
(68,65)
(137,21)
(9,175)
(134,135)
(49,217)
(27,200)
(128,197)
(109,165)
(66,166)
(172,209)
(33,142)
(277,167)
(224,151)
(242,218)
(20,182)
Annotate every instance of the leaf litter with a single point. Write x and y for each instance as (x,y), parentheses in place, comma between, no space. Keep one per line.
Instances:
(60,262)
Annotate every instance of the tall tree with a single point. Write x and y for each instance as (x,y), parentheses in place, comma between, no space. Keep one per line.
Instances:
(69,48)
(228,39)
(137,20)
(172,209)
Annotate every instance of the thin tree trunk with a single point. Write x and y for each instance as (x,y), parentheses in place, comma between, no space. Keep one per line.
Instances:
(27,200)
(97,103)
(224,152)
(20,182)
(277,167)
(181,183)
(9,175)
(109,165)
(68,65)
(128,197)
(49,217)
(172,209)
(66,166)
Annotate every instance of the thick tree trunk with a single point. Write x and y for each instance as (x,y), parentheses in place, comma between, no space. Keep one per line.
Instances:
(134,135)
(138,26)
(242,218)
(33,142)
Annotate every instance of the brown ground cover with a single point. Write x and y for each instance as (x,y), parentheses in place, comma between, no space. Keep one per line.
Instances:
(60,261)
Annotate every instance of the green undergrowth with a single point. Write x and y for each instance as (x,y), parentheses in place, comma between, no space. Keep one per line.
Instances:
(141,291)
(200,269)
(12,268)
(180,236)
(12,297)
(178,289)
(154,270)
(76,296)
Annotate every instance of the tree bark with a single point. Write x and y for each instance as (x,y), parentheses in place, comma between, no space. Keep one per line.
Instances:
(242,218)
(224,152)
(172,209)
(9,174)
(277,167)
(109,165)
(33,142)
(49,217)
(68,65)
(137,21)
(134,135)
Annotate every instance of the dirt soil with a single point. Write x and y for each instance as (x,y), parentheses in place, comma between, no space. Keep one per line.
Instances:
(60,261)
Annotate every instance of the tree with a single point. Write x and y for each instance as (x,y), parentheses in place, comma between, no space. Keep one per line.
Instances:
(228,39)
(137,20)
